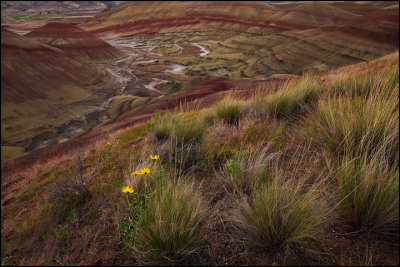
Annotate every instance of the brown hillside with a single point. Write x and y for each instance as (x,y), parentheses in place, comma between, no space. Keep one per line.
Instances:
(34,77)
(144,17)
(310,15)
(75,41)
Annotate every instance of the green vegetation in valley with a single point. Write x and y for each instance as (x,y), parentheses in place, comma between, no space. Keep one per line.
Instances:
(9,152)
(31,16)
(166,50)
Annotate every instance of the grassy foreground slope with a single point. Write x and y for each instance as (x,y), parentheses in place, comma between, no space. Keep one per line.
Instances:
(306,173)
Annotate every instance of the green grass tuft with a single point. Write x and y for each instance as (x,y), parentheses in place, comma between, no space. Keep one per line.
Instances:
(170,224)
(293,97)
(160,126)
(29,16)
(188,128)
(184,128)
(230,110)
(354,84)
(130,135)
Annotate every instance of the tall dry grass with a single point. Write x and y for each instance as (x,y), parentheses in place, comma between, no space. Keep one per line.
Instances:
(358,83)
(357,125)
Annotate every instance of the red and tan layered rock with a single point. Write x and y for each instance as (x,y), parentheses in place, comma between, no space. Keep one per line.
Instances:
(75,41)
(32,70)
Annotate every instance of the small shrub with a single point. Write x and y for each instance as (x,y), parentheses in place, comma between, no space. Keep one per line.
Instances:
(60,233)
(65,197)
(254,131)
(169,224)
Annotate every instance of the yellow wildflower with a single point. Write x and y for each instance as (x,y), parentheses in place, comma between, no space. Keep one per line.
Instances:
(127,189)
(136,173)
(108,143)
(145,171)
(156,157)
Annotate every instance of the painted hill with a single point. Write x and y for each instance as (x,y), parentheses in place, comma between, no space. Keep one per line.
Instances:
(256,39)
(27,7)
(309,15)
(75,41)
(36,77)
(144,17)
(161,15)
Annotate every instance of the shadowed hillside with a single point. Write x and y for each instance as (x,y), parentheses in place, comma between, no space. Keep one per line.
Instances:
(34,79)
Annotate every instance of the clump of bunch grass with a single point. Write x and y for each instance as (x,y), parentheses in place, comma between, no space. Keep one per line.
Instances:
(247,169)
(282,214)
(369,194)
(185,127)
(357,125)
(230,110)
(188,128)
(209,115)
(160,127)
(220,142)
(293,97)
(169,225)
(285,211)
